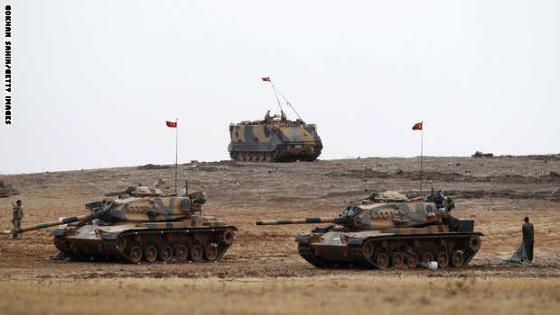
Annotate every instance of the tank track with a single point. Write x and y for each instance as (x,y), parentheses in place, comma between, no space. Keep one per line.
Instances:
(249,156)
(272,156)
(154,245)
(307,253)
(459,243)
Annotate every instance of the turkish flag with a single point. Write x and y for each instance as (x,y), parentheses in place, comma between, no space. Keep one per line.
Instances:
(171,124)
(266,79)
(417,126)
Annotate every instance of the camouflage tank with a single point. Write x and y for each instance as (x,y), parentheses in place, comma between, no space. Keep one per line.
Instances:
(274,139)
(386,234)
(142,224)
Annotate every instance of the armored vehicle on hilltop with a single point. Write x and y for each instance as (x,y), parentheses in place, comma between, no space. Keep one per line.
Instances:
(386,234)
(274,139)
(142,224)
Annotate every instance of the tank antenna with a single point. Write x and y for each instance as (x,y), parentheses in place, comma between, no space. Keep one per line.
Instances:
(287,102)
(267,79)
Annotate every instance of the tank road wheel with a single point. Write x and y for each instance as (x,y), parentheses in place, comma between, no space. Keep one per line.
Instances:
(228,237)
(427,257)
(195,254)
(211,252)
(135,253)
(181,252)
(474,243)
(457,259)
(397,259)
(367,249)
(121,244)
(443,260)
(382,261)
(165,253)
(412,260)
(150,253)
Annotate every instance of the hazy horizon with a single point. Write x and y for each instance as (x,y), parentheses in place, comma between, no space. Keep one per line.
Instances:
(94,82)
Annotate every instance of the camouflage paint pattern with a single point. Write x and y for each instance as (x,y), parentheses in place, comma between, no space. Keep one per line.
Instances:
(388,234)
(130,229)
(274,140)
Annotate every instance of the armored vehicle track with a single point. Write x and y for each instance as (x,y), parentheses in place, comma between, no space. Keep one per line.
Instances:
(154,245)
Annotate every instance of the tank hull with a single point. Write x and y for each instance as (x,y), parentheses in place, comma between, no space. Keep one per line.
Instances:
(150,244)
(388,250)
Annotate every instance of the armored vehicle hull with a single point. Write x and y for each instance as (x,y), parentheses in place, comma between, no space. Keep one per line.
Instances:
(133,243)
(405,248)
(389,234)
(274,139)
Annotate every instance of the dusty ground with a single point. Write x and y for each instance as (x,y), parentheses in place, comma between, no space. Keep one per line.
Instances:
(262,271)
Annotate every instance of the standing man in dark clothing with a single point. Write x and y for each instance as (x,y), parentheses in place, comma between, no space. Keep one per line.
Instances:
(17,216)
(528,238)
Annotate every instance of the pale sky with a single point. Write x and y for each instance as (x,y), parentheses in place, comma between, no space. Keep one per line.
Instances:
(94,81)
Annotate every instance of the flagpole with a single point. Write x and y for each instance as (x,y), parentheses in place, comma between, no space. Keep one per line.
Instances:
(421,155)
(276,95)
(176,150)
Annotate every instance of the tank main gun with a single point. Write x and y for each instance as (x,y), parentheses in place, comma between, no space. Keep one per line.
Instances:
(309,220)
(61,221)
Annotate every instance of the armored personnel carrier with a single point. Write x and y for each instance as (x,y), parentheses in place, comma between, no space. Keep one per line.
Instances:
(386,234)
(274,139)
(142,224)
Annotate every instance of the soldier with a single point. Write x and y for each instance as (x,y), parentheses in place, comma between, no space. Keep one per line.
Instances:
(158,183)
(267,117)
(528,238)
(16,217)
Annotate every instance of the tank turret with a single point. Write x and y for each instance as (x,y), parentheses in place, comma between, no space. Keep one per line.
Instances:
(384,234)
(138,191)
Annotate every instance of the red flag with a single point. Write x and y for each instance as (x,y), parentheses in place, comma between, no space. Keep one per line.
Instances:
(171,124)
(266,79)
(417,126)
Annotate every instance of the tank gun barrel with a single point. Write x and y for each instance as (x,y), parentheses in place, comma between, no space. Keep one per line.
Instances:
(63,220)
(309,220)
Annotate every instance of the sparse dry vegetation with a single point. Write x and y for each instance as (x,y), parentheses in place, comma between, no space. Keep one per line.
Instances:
(262,273)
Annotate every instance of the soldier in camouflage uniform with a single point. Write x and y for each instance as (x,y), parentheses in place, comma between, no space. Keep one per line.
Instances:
(17,217)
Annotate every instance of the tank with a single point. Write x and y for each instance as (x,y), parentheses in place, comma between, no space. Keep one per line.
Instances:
(142,224)
(386,234)
(274,139)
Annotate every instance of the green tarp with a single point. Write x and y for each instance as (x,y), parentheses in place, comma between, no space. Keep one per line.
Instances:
(519,256)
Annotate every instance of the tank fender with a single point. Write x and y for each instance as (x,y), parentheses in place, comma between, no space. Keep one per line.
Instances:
(109,236)
(357,241)
(360,240)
